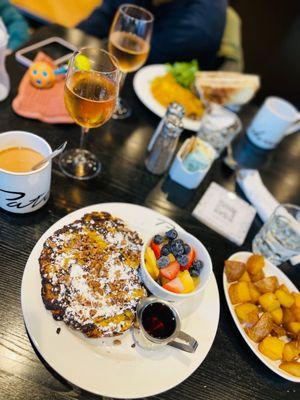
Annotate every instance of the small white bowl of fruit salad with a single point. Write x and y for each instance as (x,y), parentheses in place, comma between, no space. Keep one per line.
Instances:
(175,265)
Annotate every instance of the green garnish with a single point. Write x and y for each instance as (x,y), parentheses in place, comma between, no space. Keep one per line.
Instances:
(184,72)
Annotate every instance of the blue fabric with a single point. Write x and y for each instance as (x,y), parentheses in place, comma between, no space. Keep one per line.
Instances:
(15,24)
(183,29)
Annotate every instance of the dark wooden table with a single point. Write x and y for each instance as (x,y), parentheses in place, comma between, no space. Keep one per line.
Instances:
(231,370)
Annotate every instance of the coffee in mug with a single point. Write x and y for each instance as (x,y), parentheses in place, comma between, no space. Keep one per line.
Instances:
(19,159)
(21,189)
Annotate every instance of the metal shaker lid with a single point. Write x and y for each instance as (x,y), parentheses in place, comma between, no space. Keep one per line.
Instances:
(176,109)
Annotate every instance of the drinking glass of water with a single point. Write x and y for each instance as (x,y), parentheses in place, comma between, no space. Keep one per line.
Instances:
(279,238)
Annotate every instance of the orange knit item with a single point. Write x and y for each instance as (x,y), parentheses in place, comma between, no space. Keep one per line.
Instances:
(47,105)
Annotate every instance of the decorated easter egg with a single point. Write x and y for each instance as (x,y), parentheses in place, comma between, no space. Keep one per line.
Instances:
(41,75)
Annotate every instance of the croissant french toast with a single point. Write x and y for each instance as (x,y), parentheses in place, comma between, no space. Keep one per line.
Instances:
(90,278)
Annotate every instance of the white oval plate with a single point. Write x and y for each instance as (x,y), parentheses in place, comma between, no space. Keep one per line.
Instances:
(269,269)
(142,87)
(97,365)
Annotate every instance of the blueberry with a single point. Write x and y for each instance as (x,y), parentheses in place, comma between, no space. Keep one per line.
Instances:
(158,239)
(163,262)
(183,260)
(177,247)
(196,268)
(172,234)
(187,248)
(165,250)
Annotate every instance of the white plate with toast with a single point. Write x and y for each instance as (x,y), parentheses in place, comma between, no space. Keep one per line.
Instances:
(100,366)
(229,89)
(269,269)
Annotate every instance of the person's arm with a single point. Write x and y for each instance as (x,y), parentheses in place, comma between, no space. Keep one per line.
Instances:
(98,23)
(16,25)
(188,29)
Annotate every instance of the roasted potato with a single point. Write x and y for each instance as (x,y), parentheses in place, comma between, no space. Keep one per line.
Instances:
(234,270)
(239,293)
(298,340)
(277,315)
(297,299)
(261,329)
(291,367)
(293,327)
(285,299)
(269,302)
(288,316)
(255,264)
(278,330)
(296,312)
(284,288)
(247,312)
(254,293)
(291,351)
(257,277)
(271,347)
(245,277)
(269,284)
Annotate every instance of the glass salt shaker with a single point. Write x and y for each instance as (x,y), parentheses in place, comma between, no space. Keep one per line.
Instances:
(164,146)
(4,78)
(174,109)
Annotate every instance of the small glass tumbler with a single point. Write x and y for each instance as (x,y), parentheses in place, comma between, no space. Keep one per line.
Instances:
(219,127)
(279,238)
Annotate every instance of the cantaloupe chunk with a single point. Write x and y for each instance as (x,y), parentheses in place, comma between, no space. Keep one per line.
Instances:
(150,263)
(187,281)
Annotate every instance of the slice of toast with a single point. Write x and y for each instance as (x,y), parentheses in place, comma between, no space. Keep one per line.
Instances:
(226,87)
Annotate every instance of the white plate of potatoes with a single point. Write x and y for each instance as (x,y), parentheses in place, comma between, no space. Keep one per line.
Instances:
(265,306)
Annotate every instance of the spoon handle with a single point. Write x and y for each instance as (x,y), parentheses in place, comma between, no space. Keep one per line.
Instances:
(55,153)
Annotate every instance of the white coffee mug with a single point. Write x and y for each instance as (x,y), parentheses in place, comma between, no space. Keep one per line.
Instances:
(24,192)
(275,119)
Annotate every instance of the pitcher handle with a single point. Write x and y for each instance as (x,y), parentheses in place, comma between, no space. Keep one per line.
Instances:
(189,346)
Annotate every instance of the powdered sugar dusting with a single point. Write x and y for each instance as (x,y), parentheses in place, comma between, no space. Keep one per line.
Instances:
(93,272)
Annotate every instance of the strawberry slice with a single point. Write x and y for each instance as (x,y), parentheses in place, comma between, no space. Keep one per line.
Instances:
(156,248)
(174,286)
(191,259)
(171,271)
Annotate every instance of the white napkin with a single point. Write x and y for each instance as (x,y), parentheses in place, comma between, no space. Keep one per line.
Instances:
(265,203)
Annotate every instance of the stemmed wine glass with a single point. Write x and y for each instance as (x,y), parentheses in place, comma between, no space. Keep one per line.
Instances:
(91,91)
(129,42)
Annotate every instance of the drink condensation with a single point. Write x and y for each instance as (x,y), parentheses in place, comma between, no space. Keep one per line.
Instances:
(279,238)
